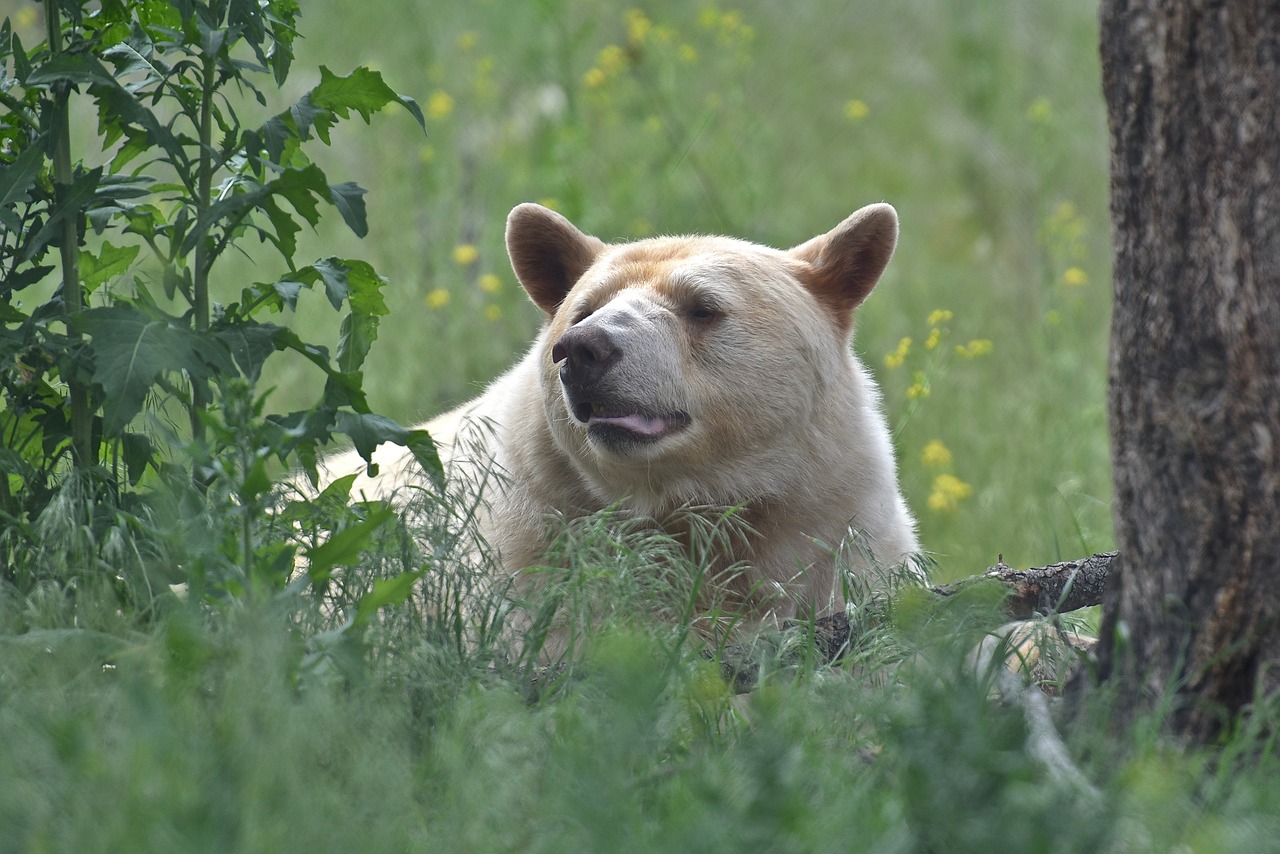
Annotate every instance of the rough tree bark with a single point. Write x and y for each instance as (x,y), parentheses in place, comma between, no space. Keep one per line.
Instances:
(1193,99)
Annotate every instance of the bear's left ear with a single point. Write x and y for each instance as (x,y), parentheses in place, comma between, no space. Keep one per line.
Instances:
(548,253)
(843,265)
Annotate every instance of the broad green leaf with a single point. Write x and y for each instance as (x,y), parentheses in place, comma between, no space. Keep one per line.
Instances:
(346,545)
(333,271)
(71,68)
(348,198)
(365,286)
(386,591)
(363,90)
(359,331)
(72,201)
(110,261)
(250,343)
(131,349)
(19,176)
(368,431)
(138,454)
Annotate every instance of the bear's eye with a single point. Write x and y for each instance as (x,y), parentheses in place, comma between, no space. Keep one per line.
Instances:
(703,312)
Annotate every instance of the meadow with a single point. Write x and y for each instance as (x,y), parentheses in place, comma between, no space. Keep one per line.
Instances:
(268,722)
(982,123)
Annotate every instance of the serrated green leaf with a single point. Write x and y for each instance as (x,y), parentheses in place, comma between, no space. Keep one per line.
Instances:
(363,90)
(110,261)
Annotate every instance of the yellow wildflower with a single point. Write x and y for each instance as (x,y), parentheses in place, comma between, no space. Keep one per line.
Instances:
(939,316)
(708,17)
(856,110)
(467,39)
(438,298)
(1075,277)
(948,492)
(611,59)
(935,335)
(1041,111)
(919,386)
(594,78)
(489,283)
(898,356)
(638,26)
(688,54)
(492,312)
(975,348)
(464,254)
(935,455)
(440,104)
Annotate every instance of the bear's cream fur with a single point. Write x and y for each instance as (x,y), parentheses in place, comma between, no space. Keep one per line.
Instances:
(688,371)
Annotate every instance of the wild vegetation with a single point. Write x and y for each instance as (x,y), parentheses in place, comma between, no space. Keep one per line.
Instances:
(166,684)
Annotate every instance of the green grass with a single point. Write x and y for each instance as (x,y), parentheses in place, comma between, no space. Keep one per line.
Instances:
(133,720)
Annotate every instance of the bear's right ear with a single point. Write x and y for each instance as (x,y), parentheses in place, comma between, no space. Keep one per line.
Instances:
(548,253)
(844,264)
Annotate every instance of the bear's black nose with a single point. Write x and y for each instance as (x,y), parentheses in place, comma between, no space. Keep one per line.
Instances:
(587,352)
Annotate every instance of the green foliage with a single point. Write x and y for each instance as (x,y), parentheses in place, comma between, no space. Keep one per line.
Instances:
(133,334)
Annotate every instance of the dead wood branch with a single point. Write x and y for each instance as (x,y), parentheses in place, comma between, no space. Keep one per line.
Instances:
(1053,589)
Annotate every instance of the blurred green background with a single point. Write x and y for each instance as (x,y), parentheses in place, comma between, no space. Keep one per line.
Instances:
(982,122)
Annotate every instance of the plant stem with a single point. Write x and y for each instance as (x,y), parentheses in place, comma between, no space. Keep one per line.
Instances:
(200,297)
(82,450)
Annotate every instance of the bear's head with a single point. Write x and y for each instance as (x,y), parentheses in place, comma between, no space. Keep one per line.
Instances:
(693,369)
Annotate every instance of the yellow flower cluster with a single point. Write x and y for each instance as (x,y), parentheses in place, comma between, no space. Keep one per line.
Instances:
(856,110)
(464,254)
(1040,112)
(919,387)
(975,348)
(1075,277)
(948,491)
(727,25)
(609,63)
(939,316)
(638,26)
(439,104)
(489,283)
(898,356)
(437,298)
(935,455)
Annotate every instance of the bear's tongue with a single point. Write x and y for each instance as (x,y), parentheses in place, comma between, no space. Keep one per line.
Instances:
(645,425)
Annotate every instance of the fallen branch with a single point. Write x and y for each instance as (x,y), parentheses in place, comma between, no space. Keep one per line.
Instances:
(1055,589)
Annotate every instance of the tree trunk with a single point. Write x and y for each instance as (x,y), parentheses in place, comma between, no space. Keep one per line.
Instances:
(1193,95)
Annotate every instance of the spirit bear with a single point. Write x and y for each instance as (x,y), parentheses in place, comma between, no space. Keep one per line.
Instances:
(678,372)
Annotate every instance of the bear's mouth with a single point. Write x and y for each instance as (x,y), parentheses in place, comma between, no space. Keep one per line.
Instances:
(611,423)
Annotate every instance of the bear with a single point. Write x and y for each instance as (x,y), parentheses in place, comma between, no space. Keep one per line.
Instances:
(688,372)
